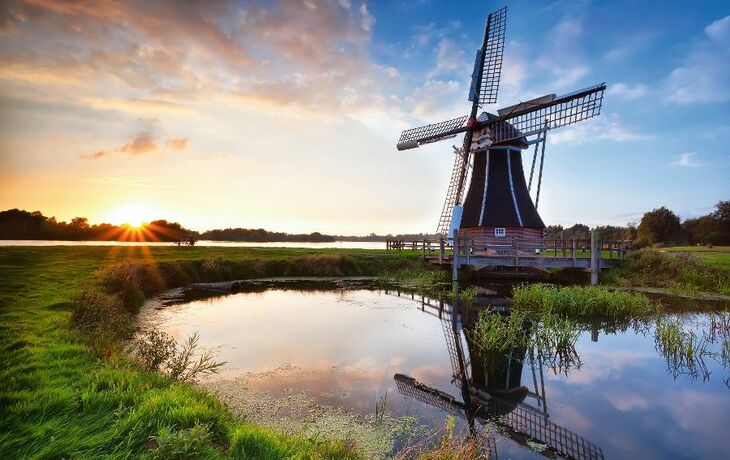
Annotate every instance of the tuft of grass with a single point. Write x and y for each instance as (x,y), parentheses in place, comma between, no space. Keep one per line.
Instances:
(192,443)
(582,302)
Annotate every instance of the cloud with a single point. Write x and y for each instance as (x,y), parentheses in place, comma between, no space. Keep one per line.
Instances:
(627,91)
(686,160)
(704,75)
(562,59)
(607,127)
(367,20)
(140,57)
(141,143)
(450,60)
(178,144)
(144,141)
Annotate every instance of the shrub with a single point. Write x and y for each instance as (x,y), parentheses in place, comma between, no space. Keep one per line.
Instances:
(153,348)
(157,351)
(102,320)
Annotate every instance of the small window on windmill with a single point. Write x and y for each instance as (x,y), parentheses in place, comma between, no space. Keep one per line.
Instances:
(499,232)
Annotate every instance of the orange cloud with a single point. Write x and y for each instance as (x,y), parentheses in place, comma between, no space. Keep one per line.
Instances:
(143,142)
(179,144)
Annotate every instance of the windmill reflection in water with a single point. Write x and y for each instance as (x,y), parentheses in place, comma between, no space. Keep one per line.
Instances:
(491,390)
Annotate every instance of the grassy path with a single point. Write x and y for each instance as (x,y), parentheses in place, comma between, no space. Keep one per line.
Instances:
(58,400)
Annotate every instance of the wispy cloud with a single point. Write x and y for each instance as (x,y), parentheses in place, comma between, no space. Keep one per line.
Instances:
(143,142)
(607,127)
(179,144)
(627,91)
(704,75)
(686,160)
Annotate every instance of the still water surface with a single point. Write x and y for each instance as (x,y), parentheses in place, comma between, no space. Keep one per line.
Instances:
(343,348)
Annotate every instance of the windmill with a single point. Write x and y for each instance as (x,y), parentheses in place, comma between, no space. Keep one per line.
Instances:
(497,203)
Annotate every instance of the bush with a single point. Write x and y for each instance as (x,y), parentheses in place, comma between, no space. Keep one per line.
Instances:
(157,351)
(102,320)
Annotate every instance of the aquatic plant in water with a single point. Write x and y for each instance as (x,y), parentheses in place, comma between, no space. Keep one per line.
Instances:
(550,335)
(685,351)
(582,302)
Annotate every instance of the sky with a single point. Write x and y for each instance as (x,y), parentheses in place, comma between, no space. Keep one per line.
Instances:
(285,115)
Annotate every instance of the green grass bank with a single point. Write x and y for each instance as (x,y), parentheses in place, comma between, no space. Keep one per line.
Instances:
(677,271)
(59,399)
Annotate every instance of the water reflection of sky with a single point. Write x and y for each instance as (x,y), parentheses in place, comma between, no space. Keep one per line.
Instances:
(348,344)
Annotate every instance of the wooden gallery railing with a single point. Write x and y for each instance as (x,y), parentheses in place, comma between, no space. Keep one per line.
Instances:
(525,251)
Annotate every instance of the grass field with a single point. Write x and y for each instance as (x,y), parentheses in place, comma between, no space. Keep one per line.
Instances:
(59,400)
(717,255)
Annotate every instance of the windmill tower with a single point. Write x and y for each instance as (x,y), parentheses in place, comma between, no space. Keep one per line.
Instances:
(497,205)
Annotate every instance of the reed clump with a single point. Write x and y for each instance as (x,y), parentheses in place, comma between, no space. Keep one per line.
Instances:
(553,337)
(684,350)
(582,302)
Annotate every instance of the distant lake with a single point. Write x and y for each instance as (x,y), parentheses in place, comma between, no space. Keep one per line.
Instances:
(204,243)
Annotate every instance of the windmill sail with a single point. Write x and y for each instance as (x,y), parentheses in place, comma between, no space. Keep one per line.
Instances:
(492,65)
(452,194)
(524,120)
(412,138)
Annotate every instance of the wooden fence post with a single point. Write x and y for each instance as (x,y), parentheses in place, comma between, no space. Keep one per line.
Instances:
(455,261)
(595,258)
(572,247)
(441,251)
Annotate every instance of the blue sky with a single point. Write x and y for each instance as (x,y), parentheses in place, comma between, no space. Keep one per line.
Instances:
(285,115)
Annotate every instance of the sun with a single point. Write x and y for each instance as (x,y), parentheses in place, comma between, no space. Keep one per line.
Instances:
(133,214)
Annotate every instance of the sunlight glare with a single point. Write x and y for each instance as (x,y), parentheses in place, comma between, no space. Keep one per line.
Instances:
(134,214)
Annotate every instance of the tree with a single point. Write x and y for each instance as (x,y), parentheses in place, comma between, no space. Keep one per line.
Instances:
(554,231)
(660,226)
(722,212)
(578,232)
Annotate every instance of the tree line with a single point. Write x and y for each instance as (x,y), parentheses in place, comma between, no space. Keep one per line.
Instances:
(16,224)
(660,226)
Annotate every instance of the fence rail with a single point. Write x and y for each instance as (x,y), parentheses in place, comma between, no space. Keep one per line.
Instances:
(546,247)
(519,251)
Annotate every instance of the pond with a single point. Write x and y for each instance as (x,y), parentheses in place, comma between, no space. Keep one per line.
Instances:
(388,369)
